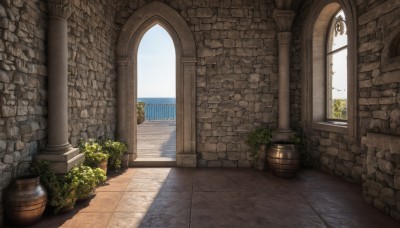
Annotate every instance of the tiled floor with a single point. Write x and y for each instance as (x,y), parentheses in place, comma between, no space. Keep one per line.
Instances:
(177,197)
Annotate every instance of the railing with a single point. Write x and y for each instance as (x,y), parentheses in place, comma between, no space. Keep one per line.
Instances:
(160,111)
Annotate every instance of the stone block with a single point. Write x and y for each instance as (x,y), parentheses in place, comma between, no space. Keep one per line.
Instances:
(229,164)
(332,151)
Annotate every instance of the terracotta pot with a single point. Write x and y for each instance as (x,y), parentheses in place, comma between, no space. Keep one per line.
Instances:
(26,201)
(283,159)
(66,209)
(103,165)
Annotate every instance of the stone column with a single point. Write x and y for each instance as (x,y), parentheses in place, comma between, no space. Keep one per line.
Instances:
(58,151)
(284,19)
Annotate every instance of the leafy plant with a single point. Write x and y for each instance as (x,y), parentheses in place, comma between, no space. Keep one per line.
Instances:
(61,189)
(339,109)
(94,153)
(140,112)
(87,179)
(260,136)
(115,150)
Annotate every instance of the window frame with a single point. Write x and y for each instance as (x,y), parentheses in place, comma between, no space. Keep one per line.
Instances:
(328,76)
(314,65)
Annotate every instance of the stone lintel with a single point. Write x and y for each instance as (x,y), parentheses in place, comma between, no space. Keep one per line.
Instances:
(384,141)
(186,160)
(62,162)
(284,19)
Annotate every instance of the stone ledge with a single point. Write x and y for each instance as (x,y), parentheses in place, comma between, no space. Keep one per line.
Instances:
(62,163)
(391,142)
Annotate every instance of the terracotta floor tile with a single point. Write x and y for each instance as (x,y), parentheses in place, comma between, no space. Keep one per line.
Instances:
(103,202)
(136,202)
(88,220)
(145,185)
(114,185)
(125,220)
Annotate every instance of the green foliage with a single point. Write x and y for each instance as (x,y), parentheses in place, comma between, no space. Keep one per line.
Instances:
(61,189)
(94,153)
(260,136)
(339,109)
(115,150)
(87,178)
(140,112)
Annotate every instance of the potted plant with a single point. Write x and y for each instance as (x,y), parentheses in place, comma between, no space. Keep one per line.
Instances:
(95,156)
(140,112)
(88,179)
(258,140)
(61,189)
(115,150)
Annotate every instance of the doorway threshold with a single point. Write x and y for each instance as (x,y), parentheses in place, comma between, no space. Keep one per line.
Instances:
(153,162)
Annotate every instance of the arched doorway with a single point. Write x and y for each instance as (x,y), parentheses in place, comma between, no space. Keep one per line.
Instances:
(127,48)
(156,97)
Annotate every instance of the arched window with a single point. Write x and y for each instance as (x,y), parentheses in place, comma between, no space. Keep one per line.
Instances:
(336,62)
(330,67)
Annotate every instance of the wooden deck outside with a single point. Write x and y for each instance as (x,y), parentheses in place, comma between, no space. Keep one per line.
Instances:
(156,141)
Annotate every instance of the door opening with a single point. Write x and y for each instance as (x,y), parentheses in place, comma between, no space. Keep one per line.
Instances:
(156,97)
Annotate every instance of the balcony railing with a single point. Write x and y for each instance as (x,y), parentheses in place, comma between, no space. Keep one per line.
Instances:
(160,111)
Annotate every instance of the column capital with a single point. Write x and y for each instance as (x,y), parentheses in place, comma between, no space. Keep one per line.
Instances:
(59,8)
(284,38)
(284,19)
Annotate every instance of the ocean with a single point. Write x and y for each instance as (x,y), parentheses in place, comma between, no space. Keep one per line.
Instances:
(171,100)
(159,108)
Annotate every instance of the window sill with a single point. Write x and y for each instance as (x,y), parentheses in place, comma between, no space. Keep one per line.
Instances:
(335,127)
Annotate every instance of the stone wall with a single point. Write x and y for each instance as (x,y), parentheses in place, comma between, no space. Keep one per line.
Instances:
(381,186)
(22,85)
(236,84)
(92,78)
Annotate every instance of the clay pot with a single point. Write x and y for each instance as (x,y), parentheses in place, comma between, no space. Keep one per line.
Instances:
(103,165)
(26,201)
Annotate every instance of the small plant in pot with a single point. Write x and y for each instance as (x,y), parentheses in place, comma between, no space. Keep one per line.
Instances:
(258,140)
(115,150)
(95,156)
(61,189)
(88,178)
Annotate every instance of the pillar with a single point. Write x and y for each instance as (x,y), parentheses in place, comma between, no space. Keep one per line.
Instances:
(58,151)
(284,19)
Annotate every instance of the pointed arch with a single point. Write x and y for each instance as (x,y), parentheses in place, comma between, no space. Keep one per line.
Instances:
(126,51)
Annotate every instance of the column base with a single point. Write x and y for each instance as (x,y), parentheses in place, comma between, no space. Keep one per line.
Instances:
(186,160)
(63,161)
(283,136)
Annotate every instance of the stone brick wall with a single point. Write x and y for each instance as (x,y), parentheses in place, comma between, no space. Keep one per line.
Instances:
(381,186)
(92,78)
(236,84)
(22,85)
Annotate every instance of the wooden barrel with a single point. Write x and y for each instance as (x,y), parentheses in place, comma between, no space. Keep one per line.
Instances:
(283,159)
(26,201)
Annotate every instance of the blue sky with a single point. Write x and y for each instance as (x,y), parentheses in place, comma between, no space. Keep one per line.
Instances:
(156,64)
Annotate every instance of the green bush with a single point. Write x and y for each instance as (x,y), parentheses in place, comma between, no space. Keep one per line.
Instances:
(61,189)
(87,178)
(94,153)
(260,136)
(115,150)
(339,109)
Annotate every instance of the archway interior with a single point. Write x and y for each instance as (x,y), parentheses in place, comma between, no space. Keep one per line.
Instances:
(156,96)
